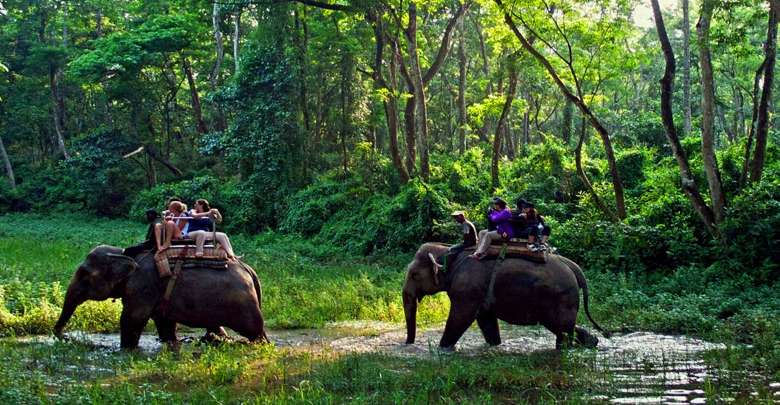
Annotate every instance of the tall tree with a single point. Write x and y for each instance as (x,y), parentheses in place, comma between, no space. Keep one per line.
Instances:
(686,29)
(770,50)
(509,96)
(388,90)
(688,181)
(237,38)
(197,112)
(219,48)
(708,112)
(417,80)
(462,62)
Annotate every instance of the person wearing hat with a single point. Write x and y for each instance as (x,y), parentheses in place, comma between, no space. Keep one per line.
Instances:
(469,232)
(500,216)
(532,221)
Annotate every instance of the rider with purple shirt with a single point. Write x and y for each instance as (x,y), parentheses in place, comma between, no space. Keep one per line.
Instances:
(499,215)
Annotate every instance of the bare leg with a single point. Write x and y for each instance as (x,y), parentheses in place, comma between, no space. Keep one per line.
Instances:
(223,240)
(158,236)
(171,231)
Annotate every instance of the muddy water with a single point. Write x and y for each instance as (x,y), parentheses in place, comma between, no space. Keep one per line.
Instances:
(641,367)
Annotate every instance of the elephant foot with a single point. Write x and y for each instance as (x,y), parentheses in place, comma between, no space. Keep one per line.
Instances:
(447,349)
(585,339)
(214,338)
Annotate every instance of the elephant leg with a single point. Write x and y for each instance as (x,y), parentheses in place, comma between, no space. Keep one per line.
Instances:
(460,318)
(130,329)
(488,324)
(585,338)
(166,329)
(563,339)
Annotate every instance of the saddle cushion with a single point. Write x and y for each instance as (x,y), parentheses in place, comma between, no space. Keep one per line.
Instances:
(215,258)
(514,250)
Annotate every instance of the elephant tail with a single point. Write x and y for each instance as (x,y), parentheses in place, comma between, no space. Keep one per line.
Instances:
(258,291)
(583,284)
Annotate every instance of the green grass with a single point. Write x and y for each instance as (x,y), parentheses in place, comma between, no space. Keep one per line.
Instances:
(308,285)
(263,374)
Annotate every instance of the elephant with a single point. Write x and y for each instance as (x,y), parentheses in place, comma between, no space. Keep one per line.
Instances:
(524,293)
(201,297)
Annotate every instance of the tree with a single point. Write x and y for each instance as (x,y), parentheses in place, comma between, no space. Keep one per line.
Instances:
(502,121)
(417,80)
(387,90)
(708,113)
(770,50)
(688,182)
(576,96)
(686,29)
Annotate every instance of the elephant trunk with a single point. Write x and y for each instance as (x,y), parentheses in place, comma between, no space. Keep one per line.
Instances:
(410,311)
(72,301)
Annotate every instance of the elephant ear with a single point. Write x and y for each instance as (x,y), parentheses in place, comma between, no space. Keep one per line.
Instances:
(124,272)
(436,267)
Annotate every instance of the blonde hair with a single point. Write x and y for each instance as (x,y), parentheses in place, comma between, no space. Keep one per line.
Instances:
(178,206)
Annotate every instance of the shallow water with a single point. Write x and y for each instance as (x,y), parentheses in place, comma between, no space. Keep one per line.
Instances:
(641,367)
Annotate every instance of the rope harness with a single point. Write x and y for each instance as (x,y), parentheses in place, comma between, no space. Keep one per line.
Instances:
(490,298)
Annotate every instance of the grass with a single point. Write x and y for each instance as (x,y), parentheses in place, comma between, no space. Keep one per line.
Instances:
(307,286)
(264,374)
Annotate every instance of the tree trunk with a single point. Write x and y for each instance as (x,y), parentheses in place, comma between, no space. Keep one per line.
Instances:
(237,38)
(218,45)
(99,23)
(686,29)
(568,112)
(9,169)
(754,118)
(483,54)
(617,184)
(510,140)
(725,124)
(707,116)
(390,102)
(303,44)
(688,182)
(770,48)
(55,74)
(462,61)
(584,177)
(419,91)
(215,71)
(410,132)
(527,119)
(416,81)
(153,153)
(510,96)
(196,109)
(739,112)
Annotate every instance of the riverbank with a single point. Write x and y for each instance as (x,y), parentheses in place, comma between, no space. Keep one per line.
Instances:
(310,286)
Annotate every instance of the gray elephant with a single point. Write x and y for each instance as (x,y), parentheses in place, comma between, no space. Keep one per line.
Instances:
(524,293)
(201,298)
